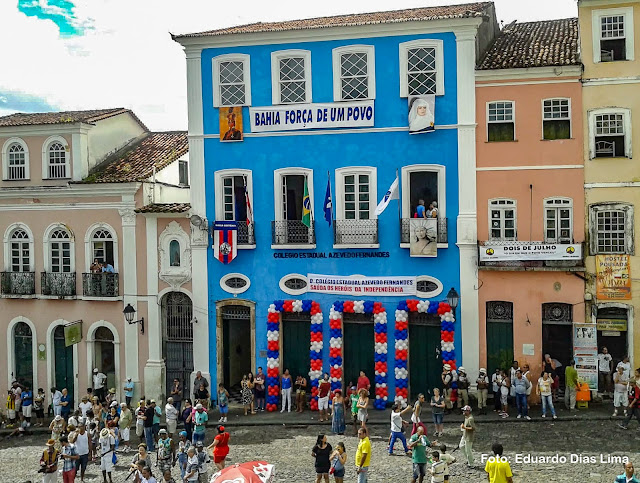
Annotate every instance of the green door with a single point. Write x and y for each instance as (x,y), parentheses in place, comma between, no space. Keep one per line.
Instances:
(499,335)
(425,361)
(296,337)
(63,361)
(23,354)
(359,348)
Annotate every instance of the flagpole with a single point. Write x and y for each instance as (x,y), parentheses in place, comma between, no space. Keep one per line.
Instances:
(330,193)
(399,199)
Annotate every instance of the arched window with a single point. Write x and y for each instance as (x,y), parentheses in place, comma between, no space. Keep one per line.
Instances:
(23,353)
(16,168)
(57,161)
(174,253)
(102,246)
(20,251)
(60,251)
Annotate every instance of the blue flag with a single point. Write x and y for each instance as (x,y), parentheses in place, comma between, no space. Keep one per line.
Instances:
(327,203)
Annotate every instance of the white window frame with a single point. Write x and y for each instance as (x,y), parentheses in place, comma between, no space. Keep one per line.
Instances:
(628,209)
(434,293)
(547,204)
(404,60)
(626,113)
(7,246)
(289,291)
(219,193)
(340,191)
(513,204)
(279,55)
(45,157)
(5,159)
(568,99)
(88,245)
(278,174)
(627,13)
(513,118)
(47,243)
(246,69)
(337,53)
(231,290)
(406,192)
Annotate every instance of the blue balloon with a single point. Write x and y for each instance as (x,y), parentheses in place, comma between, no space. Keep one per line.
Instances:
(368,306)
(314,383)
(272,354)
(279,304)
(454,385)
(339,361)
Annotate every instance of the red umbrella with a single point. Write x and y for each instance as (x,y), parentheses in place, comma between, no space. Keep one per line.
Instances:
(251,472)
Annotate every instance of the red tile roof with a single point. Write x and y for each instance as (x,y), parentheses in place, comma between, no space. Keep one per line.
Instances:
(136,161)
(63,117)
(165,208)
(535,44)
(468,10)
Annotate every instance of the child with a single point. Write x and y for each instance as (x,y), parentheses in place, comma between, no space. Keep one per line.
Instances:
(223,403)
(354,409)
(620,381)
(11,409)
(183,446)
(438,468)
(447,458)
(203,459)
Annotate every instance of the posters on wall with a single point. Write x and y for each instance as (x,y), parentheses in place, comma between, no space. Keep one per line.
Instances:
(522,251)
(422,114)
(423,237)
(230,123)
(613,280)
(585,351)
(360,285)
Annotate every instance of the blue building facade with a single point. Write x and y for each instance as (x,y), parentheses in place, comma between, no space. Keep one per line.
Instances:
(278,173)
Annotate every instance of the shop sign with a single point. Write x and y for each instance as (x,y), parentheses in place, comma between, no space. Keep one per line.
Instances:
(612,324)
(613,281)
(73,333)
(585,352)
(611,333)
(524,251)
(335,115)
(358,285)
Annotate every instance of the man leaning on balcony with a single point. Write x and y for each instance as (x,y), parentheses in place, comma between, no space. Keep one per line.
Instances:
(107,268)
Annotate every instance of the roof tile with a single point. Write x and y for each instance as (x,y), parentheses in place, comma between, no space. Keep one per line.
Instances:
(534,44)
(165,208)
(63,117)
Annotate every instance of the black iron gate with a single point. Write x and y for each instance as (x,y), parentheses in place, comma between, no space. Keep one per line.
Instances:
(177,314)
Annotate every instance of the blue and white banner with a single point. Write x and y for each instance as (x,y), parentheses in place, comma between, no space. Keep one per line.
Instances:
(312,116)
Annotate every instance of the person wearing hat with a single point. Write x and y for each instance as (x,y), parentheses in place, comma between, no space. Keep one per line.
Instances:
(111,396)
(482,383)
(200,421)
(49,463)
(128,391)
(165,452)
(203,461)
(106,448)
(447,380)
(463,388)
(468,428)
(183,446)
(57,427)
(99,380)
(84,406)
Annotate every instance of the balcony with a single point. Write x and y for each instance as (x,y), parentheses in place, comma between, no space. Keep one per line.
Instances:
(104,285)
(59,284)
(443,236)
(18,284)
(514,256)
(246,233)
(293,233)
(355,232)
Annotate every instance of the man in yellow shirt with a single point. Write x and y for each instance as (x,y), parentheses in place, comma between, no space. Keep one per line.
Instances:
(497,468)
(363,456)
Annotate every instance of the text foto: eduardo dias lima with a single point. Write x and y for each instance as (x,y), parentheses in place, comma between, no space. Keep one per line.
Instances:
(531,459)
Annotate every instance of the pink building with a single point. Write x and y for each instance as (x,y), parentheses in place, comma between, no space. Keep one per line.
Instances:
(81,188)
(530,195)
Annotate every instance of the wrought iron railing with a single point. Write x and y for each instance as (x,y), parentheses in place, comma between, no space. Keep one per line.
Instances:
(18,283)
(443,236)
(292,232)
(246,234)
(59,284)
(100,284)
(355,232)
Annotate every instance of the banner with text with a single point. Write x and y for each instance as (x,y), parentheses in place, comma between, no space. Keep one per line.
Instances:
(496,252)
(354,285)
(312,116)
(585,352)
(613,279)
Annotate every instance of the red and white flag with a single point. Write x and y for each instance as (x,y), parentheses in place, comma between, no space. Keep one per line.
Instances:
(248,203)
(225,240)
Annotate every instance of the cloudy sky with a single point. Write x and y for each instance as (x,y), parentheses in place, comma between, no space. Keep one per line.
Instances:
(83,54)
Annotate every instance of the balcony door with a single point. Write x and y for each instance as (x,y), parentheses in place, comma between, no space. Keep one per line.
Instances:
(356,222)
(63,360)
(288,227)
(60,252)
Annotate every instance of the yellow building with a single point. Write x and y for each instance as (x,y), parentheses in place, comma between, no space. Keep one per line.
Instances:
(611,101)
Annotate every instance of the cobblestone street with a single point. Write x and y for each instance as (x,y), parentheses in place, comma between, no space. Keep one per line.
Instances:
(593,443)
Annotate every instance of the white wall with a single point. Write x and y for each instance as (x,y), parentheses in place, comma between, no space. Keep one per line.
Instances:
(111,134)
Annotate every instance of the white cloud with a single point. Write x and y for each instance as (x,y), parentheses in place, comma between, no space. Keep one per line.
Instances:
(128,59)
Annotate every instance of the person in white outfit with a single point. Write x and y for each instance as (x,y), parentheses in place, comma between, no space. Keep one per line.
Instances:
(171,414)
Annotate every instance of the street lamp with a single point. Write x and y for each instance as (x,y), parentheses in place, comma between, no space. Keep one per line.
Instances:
(453,299)
(129,314)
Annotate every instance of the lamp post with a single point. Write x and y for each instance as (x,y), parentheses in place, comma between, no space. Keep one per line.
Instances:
(453,298)
(129,314)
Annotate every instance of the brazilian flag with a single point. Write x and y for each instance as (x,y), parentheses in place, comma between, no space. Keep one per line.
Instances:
(306,206)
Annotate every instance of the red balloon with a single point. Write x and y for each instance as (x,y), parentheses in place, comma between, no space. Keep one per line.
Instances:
(348,306)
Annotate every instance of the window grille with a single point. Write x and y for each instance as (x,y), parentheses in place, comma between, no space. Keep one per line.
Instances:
(354,78)
(235,282)
(498,311)
(610,228)
(17,167)
(612,27)
(20,260)
(292,80)
(421,71)
(232,83)
(57,161)
(426,286)
(295,283)
(557,313)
